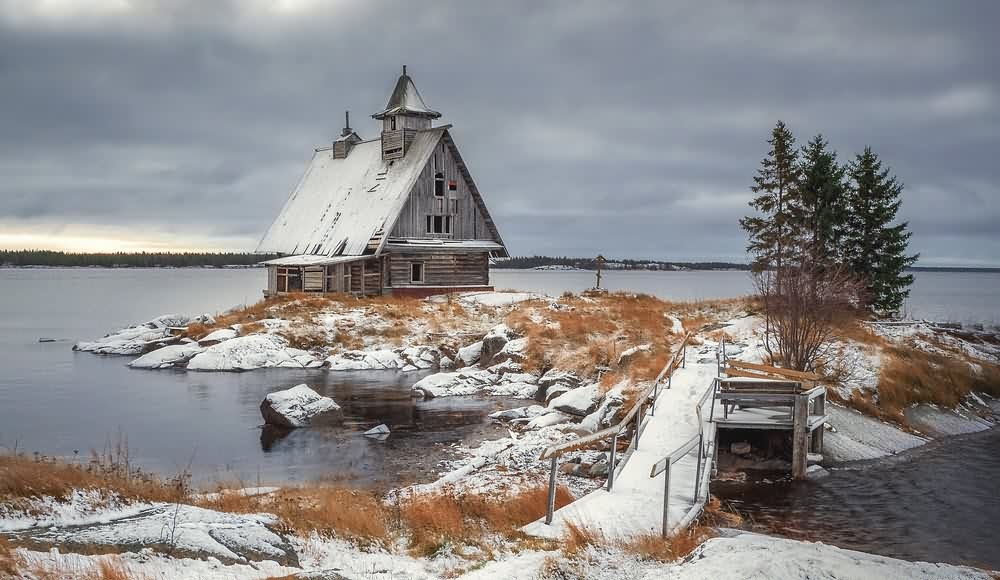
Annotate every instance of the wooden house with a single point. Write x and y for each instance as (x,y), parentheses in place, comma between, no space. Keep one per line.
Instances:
(398,214)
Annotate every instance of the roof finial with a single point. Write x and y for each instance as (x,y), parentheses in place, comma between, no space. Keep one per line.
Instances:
(404,70)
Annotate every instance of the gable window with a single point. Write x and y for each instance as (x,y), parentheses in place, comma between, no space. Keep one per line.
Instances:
(452,185)
(392,123)
(439,184)
(416,272)
(439,224)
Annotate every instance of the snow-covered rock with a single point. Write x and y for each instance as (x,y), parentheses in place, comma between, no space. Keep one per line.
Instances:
(559,377)
(180,530)
(629,353)
(494,342)
(605,412)
(553,417)
(580,401)
(468,381)
(167,356)
(217,336)
(556,391)
(299,406)
(134,340)
(377,431)
(469,355)
(407,359)
(244,353)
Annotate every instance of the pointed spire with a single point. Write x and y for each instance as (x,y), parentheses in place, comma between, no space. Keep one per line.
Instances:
(406,100)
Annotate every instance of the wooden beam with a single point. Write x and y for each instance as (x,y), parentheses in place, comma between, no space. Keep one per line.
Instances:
(819,408)
(774,370)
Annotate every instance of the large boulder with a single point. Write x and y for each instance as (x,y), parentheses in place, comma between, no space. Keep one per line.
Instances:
(469,355)
(135,340)
(217,336)
(168,356)
(244,353)
(299,406)
(579,402)
(494,342)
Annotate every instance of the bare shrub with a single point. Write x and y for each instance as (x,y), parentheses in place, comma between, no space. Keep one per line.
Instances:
(802,309)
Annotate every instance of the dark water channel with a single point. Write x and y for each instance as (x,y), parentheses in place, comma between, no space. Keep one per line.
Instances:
(939,503)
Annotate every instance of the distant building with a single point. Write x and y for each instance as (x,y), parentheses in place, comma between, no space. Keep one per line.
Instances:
(398,214)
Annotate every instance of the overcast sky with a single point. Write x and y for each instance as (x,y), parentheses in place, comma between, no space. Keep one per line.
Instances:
(626,128)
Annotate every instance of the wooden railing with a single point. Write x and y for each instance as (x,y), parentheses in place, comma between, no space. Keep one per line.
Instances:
(552,453)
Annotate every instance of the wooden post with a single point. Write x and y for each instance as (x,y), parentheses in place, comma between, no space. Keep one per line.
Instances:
(697,471)
(362,278)
(800,436)
(666,500)
(638,425)
(551,504)
(817,435)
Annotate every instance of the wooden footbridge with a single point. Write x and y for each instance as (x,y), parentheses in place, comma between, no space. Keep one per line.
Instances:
(671,455)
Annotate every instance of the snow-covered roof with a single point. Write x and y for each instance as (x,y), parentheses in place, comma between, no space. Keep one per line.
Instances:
(310,260)
(339,204)
(405,99)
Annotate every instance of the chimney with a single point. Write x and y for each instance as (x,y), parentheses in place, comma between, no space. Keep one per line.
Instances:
(348,138)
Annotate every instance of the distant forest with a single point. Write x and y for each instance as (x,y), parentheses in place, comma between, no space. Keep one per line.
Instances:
(526,262)
(21,258)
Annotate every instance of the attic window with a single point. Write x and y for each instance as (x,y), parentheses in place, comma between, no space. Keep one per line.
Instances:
(439,224)
(452,185)
(439,184)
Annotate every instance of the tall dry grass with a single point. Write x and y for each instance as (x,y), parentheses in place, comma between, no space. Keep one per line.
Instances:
(27,477)
(912,376)
(100,568)
(647,546)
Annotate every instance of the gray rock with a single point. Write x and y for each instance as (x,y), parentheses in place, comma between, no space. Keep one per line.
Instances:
(299,406)
(555,391)
(599,469)
(494,342)
(581,401)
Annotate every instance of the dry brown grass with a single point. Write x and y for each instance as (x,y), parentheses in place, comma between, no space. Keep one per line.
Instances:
(26,477)
(8,563)
(103,568)
(911,376)
(433,521)
(427,521)
(648,546)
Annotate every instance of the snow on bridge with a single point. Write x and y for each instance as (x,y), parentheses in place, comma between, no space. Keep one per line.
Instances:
(635,504)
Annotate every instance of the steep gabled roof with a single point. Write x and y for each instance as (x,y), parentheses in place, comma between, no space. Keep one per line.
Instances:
(339,205)
(405,99)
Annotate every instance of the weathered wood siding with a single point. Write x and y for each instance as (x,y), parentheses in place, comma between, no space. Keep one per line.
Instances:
(272,280)
(441,269)
(468,223)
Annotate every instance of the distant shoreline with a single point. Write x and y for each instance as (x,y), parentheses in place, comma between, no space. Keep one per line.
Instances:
(682,268)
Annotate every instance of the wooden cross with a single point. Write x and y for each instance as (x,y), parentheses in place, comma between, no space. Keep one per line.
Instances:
(600,264)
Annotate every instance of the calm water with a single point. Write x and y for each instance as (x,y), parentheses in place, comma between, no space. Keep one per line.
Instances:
(54,400)
(939,503)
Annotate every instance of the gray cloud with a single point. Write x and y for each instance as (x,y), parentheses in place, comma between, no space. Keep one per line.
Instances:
(630,129)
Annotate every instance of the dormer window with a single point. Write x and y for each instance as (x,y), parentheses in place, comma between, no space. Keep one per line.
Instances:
(439,184)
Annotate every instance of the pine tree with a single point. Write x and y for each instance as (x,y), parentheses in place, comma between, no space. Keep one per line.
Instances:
(873,247)
(772,235)
(820,213)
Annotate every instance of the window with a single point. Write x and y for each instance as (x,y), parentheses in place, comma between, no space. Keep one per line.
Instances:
(439,224)
(452,185)
(439,184)
(392,123)
(416,272)
(454,206)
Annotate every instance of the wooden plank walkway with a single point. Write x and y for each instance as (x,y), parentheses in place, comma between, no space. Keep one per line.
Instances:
(635,505)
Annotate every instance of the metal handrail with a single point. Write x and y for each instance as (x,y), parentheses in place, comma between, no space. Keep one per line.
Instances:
(663,465)
(553,452)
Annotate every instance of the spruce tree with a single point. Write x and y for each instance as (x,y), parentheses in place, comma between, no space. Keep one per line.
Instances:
(820,213)
(873,246)
(773,233)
